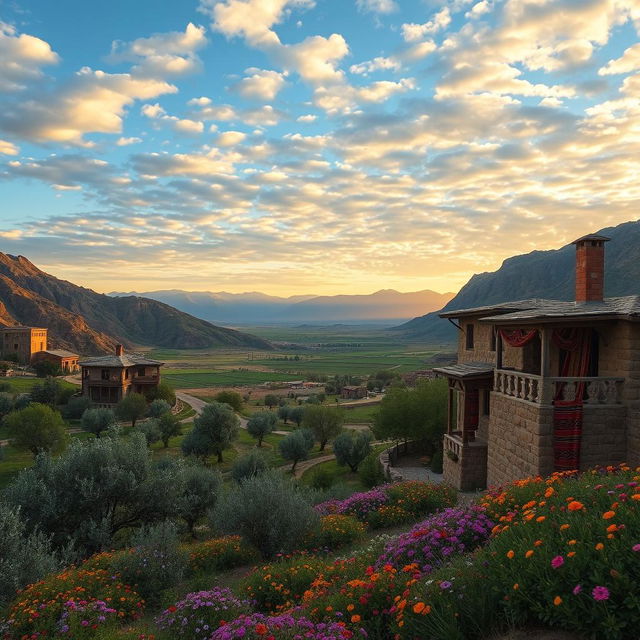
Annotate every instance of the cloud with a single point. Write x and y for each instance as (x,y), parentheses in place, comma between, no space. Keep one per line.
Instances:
(307,118)
(377,64)
(123,142)
(22,57)
(180,125)
(413,32)
(629,61)
(262,84)
(8,148)
(377,6)
(230,138)
(92,101)
(163,54)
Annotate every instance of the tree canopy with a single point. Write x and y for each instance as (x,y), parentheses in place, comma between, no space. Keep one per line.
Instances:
(213,431)
(324,422)
(37,428)
(261,424)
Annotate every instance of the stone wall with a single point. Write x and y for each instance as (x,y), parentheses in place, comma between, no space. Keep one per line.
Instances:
(481,352)
(469,471)
(604,436)
(520,440)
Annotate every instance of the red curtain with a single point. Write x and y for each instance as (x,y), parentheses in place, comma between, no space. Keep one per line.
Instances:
(518,337)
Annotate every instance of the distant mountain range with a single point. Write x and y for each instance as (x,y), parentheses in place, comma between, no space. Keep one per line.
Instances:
(88,322)
(386,305)
(539,274)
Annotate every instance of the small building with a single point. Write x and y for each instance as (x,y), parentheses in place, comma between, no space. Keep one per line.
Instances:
(21,343)
(412,378)
(545,385)
(353,393)
(108,379)
(65,360)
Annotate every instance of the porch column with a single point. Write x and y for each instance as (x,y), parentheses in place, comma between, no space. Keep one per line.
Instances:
(449,408)
(499,350)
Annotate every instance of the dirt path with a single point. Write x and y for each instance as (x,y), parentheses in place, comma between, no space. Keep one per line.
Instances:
(308,464)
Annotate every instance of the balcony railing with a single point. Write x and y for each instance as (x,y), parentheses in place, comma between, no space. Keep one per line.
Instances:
(539,390)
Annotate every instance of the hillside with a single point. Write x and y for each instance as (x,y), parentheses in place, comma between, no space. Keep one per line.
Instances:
(385,305)
(89,322)
(539,274)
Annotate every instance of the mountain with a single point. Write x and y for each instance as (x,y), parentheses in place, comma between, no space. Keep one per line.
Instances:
(88,322)
(539,274)
(254,307)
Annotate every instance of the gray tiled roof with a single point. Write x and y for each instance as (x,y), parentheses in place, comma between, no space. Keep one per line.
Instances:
(125,360)
(500,307)
(61,353)
(466,370)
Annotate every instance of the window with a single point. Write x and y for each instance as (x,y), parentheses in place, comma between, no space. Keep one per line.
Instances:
(493,339)
(126,374)
(141,371)
(469,332)
(104,374)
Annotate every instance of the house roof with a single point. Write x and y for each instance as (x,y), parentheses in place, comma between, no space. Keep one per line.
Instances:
(125,360)
(60,353)
(466,370)
(501,307)
(625,307)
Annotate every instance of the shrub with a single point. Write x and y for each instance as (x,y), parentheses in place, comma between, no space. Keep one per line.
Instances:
(38,609)
(81,620)
(296,446)
(169,426)
(37,428)
(421,498)
(336,531)
(351,448)
(261,424)
(198,614)
(98,420)
(24,557)
(363,503)
(6,403)
(150,429)
(220,553)
(154,563)
(76,406)
(132,407)
(389,515)
(437,461)
(199,491)
(157,408)
(232,398)
(162,392)
(267,511)
(252,464)
(322,478)
(370,470)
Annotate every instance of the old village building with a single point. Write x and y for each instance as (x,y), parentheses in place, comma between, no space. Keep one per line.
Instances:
(108,379)
(28,345)
(545,385)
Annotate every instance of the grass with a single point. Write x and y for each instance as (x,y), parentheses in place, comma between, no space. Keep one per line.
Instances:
(205,378)
(360,414)
(342,476)
(24,384)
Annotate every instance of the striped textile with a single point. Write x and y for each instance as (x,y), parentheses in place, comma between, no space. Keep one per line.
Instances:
(567,425)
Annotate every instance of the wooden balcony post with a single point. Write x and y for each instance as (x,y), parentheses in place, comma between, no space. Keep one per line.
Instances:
(449,408)
(499,350)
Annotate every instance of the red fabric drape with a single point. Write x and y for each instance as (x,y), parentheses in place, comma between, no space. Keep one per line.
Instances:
(518,337)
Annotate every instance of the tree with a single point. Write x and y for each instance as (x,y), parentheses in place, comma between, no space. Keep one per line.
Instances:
(283,412)
(45,369)
(271,400)
(47,392)
(98,420)
(37,428)
(351,448)
(157,408)
(296,414)
(169,427)
(200,491)
(233,399)
(296,446)
(132,407)
(261,424)
(150,430)
(162,392)
(213,431)
(95,489)
(76,406)
(6,404)
(252,464)
(324,422)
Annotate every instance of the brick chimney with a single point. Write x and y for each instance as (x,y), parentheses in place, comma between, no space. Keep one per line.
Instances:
(590,268)
(119,350)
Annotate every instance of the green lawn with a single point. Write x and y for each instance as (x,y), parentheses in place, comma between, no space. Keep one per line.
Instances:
(24,385)
(360,414)
(205,378)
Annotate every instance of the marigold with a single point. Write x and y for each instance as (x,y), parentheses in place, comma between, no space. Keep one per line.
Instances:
(599,546)
(510,554)
(528,554)
(575,505)
(612,527)
(564,526)
(607,515)
(418,607)
(355,618)
(557,601)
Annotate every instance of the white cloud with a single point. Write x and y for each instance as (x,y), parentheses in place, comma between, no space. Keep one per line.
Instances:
(479,9)
(180,125)
(413,32)
(123,142)
(307,118)
(262,84)
(377,6)
(8,148)
(22,57)
(377,64)
(230,138)
(629,61)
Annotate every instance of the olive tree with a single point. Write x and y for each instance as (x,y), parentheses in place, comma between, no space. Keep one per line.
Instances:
(132,407)
(261,424)
(157,408)
(324,422)
(213,431)
(351,448)
(169,426)
(37,428)
(296,446)
(98,420)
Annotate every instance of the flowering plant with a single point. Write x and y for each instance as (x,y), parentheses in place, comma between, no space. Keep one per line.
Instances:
(219,553)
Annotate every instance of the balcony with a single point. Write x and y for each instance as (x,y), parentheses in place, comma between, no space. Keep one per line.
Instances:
(542,391)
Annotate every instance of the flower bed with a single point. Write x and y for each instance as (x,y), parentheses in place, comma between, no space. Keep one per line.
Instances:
(220,553)
(335,531)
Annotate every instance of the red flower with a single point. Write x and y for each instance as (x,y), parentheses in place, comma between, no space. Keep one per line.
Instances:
(260,629)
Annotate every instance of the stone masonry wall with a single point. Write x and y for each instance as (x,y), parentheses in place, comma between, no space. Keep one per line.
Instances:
(481,352)
(604,436)
(469,472)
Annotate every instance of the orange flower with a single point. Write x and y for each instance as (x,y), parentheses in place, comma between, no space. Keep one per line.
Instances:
(355,618)
(607,515)
(575,505)
(571,542)
(510,554)
(516,586)
(537,543)
(549,492)
(350,607)
(635,496)
(557,601)
(418,607)
(541,518)
(260,629)
(528,554)
(612,527)
(571,554)
(563,527)
(599,546)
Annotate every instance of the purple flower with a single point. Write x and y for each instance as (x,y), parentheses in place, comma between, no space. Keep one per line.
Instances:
(600,593)
(445,584)
(556,562)
(577,589)
(636,547)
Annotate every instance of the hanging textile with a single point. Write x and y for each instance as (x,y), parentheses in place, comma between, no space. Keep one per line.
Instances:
(518,337)
(575,346)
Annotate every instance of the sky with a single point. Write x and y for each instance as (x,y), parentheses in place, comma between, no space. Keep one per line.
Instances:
(312,146)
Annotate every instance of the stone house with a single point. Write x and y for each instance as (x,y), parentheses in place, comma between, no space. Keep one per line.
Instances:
(108,379)
(66,361)
(545,385)
(22,342)
(353,392)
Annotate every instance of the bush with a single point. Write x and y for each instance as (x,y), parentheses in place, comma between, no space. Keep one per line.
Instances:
(162,392)
(220,553)
(98,420)
(150,429)
(351,448)
(198,614)
(157,408)
(296,446)
(76,406)
(24,557)
(232,398)
(335,531)
(154,563)
(199,492)
(370,470)
(267,511)
(252,464)
(421,498)
(322,478)
(437,461)
(37,428)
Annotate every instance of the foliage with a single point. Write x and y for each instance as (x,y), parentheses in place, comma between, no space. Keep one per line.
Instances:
(81,620)
(45,369)
(157,408)
(76,406)
(217,554)
(296,414)
(336,531)
(213,431)
(324,422)
(198,614)
(351,448)
(261,424)
(154,563)
(252,464)
(271,400)
(150,429)
(38,610)
(48,392)
(296,446)
(283,412)
(162,391)
(370,470)
(437,461)
(24,556)
(132,407)
(37,428)
(321,478)
(98,420)
(232,398)
(418,413)
(6,403)
(267,511)
(200,490)
(94,490)
(169,427)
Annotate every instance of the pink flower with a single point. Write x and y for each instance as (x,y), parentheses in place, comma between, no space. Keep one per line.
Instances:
(558,561)
(600,593)
(577,589)
(636,547)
